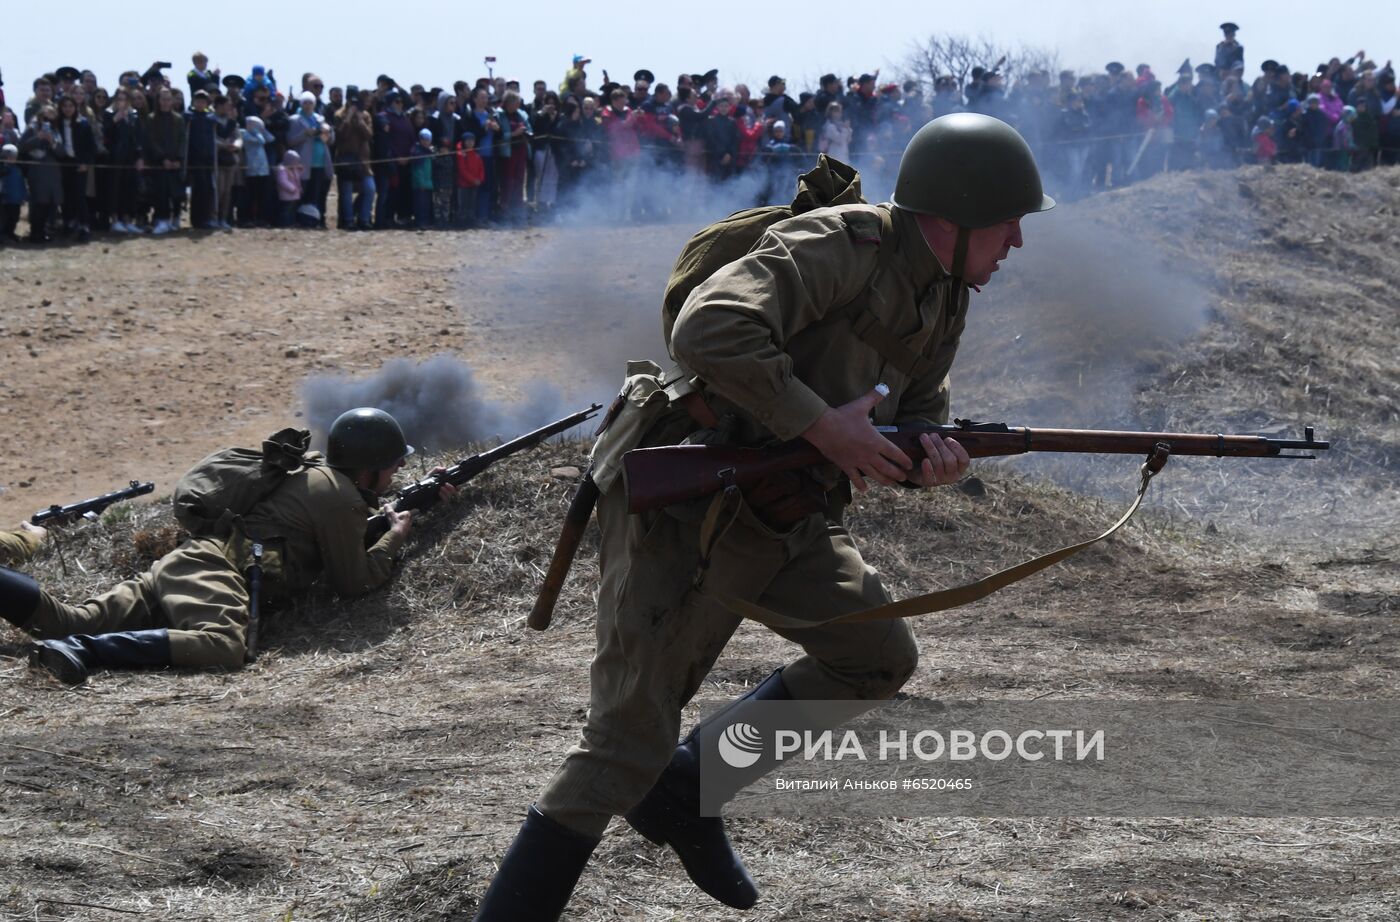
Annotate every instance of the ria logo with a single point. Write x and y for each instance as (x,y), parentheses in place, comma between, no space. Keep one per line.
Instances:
(740,745)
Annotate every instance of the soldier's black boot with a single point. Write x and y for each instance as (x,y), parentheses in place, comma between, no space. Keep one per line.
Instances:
(670,812)
(72,658)
(19,597)
(538,873)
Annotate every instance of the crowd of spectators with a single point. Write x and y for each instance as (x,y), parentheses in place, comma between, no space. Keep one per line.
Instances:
(235,150)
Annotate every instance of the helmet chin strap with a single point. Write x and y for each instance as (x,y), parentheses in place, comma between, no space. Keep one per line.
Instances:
(960,253)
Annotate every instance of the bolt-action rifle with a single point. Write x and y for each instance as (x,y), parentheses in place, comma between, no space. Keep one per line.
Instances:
(424,493)
(89,508)
(661,476)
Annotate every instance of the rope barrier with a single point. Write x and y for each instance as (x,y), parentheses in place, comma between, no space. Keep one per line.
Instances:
(758,153)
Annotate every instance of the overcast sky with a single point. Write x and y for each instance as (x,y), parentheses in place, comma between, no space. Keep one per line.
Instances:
(438,41)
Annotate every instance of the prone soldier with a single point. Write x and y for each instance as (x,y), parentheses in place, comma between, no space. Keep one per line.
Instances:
(191,609)
(812,333)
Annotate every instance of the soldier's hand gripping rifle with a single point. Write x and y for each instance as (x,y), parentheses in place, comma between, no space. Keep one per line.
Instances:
(424,493)
(657,477)
(89,508)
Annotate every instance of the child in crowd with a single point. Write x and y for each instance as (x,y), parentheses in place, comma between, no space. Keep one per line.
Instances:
(258,176)
(421,159)
(1343,141)
(1265,148)
(12,193)
(288,188)
(444,181)
(471,173)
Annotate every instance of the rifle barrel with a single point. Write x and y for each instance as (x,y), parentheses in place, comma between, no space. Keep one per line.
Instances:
(664,475)
(57,513)
(424,493)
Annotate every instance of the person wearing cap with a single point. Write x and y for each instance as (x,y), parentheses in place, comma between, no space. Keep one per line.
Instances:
(421,179)
(1186,118)
(834,315)
(828,91)
(1278,92)
(201,163)
(1288,133)
(640,93)
(778,106)
(1229,53)
(575,71)
(190,610)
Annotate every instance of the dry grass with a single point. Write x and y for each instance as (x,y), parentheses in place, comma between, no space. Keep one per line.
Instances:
(375,762)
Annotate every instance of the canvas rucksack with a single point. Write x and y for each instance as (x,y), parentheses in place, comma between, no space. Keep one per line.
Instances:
(211,496)
(829,183)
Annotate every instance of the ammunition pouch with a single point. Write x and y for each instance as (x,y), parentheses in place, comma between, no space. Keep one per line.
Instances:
(647,411)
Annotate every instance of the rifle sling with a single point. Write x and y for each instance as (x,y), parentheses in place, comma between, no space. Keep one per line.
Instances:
(943,599)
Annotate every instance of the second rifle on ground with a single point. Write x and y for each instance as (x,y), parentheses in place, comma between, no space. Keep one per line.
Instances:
(89,508)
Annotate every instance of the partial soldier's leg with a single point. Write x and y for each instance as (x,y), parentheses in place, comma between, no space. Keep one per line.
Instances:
(823,577)
(129,605)
(118,627)
(870,660)
(205,604)
(657,639)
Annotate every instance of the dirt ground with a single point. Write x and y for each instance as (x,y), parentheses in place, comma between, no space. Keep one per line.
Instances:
(374,764)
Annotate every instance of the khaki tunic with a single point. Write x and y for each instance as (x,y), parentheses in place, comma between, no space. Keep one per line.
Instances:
(770,340)
(17,546)
(314,524)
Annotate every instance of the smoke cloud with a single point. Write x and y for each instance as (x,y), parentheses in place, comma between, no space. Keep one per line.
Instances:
(437,402)
(1071,325)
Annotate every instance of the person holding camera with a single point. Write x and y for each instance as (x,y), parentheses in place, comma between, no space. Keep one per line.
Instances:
(354,132)
(38,146)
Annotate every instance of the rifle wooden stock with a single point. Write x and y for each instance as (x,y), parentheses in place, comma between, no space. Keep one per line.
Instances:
(656,477)
(575,523)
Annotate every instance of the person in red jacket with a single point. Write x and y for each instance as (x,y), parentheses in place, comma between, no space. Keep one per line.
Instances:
(624,148)
(1154,117)
(471,173)
(751,130)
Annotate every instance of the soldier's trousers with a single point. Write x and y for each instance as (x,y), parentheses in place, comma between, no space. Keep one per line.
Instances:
(658,638)
(193,591)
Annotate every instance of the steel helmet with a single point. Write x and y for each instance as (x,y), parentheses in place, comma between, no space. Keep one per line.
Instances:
(366,439)
(970,169)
